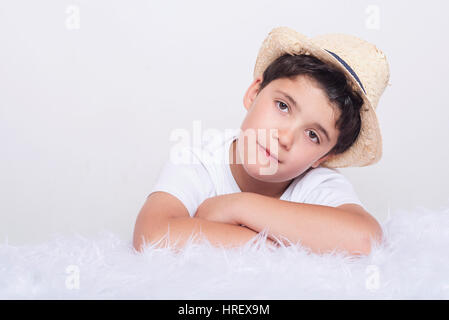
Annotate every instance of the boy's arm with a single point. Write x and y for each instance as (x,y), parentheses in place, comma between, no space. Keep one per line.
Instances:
(163,214)
(176,232)
(321,228)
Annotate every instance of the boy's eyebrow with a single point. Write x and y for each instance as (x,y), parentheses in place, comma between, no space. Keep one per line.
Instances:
(293,102)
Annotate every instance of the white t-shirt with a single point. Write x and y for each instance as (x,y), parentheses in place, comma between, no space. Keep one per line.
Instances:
(208,174)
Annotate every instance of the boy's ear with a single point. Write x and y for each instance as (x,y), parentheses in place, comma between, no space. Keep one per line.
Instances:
(251,93)
(318,162)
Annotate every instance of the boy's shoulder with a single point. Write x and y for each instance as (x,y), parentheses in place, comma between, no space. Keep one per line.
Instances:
(321,172)
(317,176)
(324,186)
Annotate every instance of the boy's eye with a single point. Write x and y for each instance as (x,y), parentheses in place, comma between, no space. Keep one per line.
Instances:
(282,106)
(315,136)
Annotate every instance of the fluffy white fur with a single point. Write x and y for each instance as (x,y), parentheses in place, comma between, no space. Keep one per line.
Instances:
(413,263)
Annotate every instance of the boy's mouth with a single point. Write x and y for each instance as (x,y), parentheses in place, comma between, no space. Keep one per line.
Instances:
(268,153)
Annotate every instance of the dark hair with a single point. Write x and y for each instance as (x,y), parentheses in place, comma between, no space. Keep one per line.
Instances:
(333,82)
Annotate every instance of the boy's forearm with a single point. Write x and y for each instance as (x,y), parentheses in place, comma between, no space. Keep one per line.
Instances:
(176,232)
(321,228)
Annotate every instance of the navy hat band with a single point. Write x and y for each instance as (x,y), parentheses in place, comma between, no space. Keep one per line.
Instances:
(347,68)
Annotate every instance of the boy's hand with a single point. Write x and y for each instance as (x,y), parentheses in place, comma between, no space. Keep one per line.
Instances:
(218,209)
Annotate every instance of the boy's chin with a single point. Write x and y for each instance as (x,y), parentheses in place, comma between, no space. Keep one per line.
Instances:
(266,173)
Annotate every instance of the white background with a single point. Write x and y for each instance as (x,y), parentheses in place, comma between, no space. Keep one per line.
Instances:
(90,91)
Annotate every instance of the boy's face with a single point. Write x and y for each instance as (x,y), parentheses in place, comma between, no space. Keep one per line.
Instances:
(294,129)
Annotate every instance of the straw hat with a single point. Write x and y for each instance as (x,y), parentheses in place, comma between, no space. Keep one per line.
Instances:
(365,66)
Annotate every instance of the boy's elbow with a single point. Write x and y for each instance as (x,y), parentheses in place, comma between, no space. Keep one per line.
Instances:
(141,239)
(138,241)
(374,235)
(138,236)
(150,234)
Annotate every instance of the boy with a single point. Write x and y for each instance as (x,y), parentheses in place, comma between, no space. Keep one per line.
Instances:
(310,109)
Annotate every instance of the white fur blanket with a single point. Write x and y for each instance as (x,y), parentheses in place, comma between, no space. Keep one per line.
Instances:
(413,263)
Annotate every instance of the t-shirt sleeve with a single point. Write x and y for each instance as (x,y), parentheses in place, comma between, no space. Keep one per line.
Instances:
(329,188)
(190,183)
